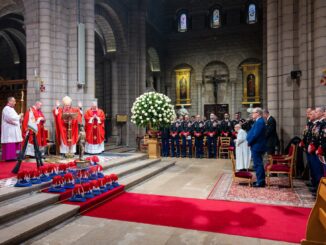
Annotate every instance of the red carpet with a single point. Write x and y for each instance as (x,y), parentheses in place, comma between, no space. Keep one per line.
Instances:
(280,223)
(7,167)
(97,199)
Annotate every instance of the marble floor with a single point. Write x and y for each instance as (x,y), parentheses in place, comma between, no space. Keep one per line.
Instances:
(188,178)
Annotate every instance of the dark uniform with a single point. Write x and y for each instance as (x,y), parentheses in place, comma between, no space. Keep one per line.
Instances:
(186,135)
(175,130)
(211,131)
(199,130)
(321,150)
(306,140)
(165,137)
(226,128)
(317,170)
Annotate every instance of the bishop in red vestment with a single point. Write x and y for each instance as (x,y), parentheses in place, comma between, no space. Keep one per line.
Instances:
(94,127)
(67,140)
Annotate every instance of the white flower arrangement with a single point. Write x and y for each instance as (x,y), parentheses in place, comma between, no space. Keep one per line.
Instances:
(153,109)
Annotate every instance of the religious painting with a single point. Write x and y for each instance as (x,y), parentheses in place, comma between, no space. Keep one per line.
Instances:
(183,87)
(251,83)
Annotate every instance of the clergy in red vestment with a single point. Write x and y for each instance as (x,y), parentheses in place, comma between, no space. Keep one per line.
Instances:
(35,118)
(65,138)
(94,127)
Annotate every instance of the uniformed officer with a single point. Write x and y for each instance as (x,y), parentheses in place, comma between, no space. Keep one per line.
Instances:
(226,126)
(307,139)
(199,130)
(316,165)
(211,131)
(175,130)
(165,137)
(186,135)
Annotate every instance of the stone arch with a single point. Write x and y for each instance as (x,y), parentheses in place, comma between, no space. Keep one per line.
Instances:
(106,33)
(12,40)
(11,6)
(105,10)
(249,61)
(111,53)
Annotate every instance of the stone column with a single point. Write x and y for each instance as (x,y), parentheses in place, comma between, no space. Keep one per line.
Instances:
(319,38)
(272,56)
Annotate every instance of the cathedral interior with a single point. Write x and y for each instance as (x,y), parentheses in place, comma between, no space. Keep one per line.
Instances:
(233,53)
(207,56)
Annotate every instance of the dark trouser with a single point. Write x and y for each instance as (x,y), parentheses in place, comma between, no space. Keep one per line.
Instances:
(186,143)
(199,146)
(175,143)
(165,147)
(211,146)
(317,169)
(259,166)
(309,158)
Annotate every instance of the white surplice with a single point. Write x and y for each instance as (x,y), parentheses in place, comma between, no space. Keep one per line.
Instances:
(10,126)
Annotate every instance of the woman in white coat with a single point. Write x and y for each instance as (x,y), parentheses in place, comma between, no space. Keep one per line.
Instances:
(243,153)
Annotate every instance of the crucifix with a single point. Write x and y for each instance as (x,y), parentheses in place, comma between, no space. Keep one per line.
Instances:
(216,79)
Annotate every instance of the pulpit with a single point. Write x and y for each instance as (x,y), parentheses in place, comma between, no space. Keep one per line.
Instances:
(68,117)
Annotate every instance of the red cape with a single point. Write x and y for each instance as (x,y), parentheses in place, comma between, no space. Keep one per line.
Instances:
(62,126)
(95,131)
(41,133)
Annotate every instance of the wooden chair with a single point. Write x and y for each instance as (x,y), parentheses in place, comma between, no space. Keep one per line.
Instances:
(241,176)
(224,146)
(316,227)
(281,165)
(291,148)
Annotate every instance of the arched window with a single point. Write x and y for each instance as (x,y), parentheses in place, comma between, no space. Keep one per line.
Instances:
(252,13)
(183,21)
(215,18)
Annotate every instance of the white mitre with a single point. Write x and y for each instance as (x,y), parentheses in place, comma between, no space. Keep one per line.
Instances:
(66,100)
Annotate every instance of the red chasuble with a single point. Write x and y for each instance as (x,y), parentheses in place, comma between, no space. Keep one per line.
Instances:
(95,131)
(62,126)
(41,132)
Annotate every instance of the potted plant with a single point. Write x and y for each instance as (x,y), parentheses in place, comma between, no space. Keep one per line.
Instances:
(152,110)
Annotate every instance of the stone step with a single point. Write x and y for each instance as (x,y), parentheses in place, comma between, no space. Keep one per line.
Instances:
(14,208)
(132,167)
(124,160)
(12,192)
(27,228)
(144,174)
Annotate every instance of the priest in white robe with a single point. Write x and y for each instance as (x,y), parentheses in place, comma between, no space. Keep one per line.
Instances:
(242,150)
(11,134)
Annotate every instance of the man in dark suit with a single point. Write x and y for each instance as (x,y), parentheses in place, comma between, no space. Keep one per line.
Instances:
(257,141)
(271,134)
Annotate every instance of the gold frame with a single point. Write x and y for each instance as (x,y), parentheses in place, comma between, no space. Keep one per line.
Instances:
(248,69)
(183,74)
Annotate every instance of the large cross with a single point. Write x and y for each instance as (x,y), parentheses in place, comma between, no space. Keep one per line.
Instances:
(216,79)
